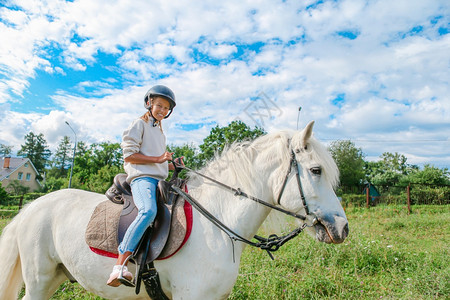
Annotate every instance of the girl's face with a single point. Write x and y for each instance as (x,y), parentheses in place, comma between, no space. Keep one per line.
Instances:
(160,108)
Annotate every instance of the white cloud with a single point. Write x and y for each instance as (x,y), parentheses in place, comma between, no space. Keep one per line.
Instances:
(392,73)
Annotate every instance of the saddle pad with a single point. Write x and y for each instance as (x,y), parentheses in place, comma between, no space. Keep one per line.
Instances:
(102,229)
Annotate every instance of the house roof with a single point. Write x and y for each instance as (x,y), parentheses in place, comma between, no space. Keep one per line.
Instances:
(14,164)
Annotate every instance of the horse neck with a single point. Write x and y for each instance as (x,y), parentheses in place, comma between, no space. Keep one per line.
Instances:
(238,213)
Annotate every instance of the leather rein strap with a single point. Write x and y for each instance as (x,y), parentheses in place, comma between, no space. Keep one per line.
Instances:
(273,242)
(270,244)
(238,192)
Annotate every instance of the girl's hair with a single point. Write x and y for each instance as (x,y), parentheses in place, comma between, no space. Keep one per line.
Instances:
(146,117)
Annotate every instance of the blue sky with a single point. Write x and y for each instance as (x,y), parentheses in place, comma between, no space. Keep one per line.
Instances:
(374,72)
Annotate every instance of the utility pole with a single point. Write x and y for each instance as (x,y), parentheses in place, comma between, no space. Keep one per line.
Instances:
(73,156)
(298,115)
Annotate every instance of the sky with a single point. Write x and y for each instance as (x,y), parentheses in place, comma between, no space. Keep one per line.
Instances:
(373,72)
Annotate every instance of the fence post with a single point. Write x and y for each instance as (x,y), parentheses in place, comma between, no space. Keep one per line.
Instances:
(367,196)
(408,194)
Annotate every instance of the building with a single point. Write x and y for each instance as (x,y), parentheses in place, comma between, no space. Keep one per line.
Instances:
(374,195)
(21,169)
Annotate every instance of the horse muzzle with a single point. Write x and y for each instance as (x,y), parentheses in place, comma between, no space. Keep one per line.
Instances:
(331,229)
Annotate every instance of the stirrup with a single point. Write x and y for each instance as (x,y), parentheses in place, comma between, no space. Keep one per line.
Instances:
(124,280)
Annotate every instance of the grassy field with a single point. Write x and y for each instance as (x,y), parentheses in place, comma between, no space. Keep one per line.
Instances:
(388,255)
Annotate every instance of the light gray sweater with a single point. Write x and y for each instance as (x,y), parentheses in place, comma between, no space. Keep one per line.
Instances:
(142,137)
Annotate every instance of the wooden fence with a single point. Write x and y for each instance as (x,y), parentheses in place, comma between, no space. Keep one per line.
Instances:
(414,193)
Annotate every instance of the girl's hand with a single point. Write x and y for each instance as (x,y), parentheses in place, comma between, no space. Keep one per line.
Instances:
(166,157)
(179,161)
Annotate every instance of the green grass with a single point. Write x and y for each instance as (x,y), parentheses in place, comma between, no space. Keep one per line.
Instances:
(387,255)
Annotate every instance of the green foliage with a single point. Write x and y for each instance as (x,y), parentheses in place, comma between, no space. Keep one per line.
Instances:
(395,162)
(390,170)
(428,175)
(4,196)
(89,161)
(350,161)
(189,154)
(5,150)
(15,187)
(14,200)
(54,183)
(358,200)
(62,158)
(219,137)
(36,149)
(424,194)
(101,180)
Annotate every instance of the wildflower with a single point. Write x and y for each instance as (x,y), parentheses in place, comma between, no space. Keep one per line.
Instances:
(389,246)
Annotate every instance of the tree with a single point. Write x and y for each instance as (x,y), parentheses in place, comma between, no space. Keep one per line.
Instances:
(395,162)
(189,152)
(350,161)
(36,149)
(5,150)
(389,170)
(102,179)
(4,197)
(219,137)
(62,157)
(89,162)
(428,175)
(16,188)
(107,154)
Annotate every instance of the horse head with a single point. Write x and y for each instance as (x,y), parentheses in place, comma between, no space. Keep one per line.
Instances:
(312,193)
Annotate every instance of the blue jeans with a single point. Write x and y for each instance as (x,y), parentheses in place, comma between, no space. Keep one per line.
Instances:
(144,196)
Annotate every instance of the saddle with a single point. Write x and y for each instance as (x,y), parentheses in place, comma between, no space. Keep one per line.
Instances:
(120,193)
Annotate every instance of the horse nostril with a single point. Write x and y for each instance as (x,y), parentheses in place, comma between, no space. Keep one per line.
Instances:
(345,231)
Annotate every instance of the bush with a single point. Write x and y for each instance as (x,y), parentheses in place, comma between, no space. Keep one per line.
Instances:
(15,200)
(393,199)
(421,194)
(357,200)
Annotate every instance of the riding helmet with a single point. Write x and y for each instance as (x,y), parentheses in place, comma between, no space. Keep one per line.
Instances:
(162,91)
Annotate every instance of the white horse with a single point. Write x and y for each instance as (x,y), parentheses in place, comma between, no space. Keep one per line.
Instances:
(44,244)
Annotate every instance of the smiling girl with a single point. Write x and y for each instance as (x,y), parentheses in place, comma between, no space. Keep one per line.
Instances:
(146,162)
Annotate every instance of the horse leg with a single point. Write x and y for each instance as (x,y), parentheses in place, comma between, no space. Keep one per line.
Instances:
(42,279)
(42,271)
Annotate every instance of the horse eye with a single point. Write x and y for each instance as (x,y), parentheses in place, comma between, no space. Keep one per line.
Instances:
(297,150)
(316,170)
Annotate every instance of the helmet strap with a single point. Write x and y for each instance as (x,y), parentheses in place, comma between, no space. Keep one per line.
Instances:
(168,114)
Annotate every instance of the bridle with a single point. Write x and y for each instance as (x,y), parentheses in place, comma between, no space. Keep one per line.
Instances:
(294,165)
(273,242)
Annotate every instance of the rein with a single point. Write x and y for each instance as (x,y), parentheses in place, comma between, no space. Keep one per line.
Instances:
(273,242)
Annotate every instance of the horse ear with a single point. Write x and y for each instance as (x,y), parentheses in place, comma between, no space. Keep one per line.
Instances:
(307,132)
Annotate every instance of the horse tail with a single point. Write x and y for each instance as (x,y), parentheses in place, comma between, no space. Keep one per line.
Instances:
(11,281)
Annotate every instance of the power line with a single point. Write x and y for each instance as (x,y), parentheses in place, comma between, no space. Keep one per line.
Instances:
(384,141)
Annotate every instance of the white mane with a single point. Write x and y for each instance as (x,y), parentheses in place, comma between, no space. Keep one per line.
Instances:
(236,162)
